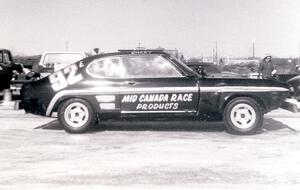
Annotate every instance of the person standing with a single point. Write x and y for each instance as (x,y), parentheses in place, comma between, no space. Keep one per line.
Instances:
(266,68)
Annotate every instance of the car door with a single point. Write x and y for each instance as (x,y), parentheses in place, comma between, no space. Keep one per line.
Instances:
(152,85)
(103,80)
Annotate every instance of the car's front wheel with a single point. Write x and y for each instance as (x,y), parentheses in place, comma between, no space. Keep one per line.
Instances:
(76,115)
(243,116)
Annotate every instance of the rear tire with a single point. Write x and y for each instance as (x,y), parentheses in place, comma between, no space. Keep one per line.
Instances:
(76,115)
(243,116)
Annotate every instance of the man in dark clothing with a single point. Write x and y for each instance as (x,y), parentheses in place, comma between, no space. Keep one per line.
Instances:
(7,66)
(266,68)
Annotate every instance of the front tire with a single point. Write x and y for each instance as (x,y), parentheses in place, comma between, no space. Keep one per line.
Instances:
(243,116)
(76,115)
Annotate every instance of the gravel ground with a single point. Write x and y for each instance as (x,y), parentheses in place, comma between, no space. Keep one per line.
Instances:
(37,154)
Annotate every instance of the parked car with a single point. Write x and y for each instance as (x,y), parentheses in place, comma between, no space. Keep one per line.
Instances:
(149,84)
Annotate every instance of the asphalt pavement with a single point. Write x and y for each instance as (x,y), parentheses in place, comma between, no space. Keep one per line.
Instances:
(36,153)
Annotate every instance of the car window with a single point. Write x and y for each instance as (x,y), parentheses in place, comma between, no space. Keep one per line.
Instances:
(148,66)
(6,58)
(1,57)
(109,67)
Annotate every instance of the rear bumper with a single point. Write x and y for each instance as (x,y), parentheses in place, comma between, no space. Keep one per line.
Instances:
(291,104)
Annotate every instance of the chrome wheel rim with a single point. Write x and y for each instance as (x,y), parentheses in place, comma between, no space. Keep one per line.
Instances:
(76,115)
(243,116)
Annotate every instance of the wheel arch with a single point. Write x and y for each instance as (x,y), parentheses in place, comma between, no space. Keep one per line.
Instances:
(257,99)
(66,98)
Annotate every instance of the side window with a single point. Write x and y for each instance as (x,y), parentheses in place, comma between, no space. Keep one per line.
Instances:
(148,66)
(6,58)
(109,67)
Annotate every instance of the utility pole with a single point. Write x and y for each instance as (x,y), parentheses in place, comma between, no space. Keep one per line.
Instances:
(213,55)
(67,45)
(217,60)
(253,49)
(299,55)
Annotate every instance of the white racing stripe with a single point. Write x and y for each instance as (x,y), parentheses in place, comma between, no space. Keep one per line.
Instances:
(243,89)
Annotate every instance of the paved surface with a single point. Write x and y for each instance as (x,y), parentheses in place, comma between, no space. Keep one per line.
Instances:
(35,153)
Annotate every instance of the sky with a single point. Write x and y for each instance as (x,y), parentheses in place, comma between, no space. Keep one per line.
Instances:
(192,26)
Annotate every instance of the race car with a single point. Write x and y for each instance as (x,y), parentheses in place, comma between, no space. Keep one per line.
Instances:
(149,84)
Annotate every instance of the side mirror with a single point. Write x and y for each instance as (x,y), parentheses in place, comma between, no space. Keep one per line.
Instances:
(297,68)
(201,71)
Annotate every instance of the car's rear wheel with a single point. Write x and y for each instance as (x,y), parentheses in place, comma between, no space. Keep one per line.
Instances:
(76,115)
(243,116)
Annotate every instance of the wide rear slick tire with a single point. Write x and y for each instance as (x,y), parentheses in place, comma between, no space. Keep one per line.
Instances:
(76,115)
(243,116)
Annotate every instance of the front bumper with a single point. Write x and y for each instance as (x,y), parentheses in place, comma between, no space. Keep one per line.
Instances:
(291,104)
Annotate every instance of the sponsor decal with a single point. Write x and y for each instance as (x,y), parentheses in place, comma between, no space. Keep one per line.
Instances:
(134,91)
(243,89)
(145,102)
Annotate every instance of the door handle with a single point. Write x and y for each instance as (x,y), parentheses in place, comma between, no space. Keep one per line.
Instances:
(129,82)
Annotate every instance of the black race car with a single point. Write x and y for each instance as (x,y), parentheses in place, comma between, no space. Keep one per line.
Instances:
(147,84)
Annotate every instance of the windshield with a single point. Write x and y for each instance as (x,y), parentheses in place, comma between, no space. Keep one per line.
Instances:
(183,66)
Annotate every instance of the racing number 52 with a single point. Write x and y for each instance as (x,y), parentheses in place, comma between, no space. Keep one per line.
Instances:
(68,76)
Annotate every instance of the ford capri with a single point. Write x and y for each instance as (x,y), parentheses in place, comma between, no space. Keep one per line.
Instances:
(149,84)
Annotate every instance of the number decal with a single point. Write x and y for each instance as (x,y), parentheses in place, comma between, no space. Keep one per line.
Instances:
(81,64)
(58,81)
(72,78)
(68,76)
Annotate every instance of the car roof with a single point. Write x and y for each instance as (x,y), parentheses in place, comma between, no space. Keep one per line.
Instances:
(140,53)
(4,50)
(128,52)
(64,52)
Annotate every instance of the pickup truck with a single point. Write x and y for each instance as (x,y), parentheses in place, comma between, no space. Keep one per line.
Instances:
(53,61)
